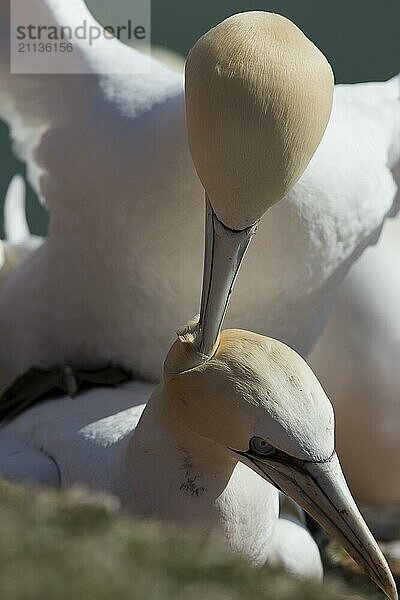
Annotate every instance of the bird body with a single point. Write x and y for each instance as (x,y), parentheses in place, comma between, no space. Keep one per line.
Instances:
(294,550)
(137,199)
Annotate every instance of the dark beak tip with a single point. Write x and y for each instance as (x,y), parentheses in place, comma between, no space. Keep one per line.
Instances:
(392,595)
(392,591)
(387,585)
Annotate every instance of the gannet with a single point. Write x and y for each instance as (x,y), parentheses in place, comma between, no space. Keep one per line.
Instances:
(226,429)
(186,458)
(126,212)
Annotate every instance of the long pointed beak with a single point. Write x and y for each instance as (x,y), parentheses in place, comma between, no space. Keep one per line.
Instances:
(321,490)
(224,253)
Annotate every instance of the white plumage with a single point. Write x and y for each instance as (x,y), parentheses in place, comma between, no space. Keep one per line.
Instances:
(124,154)
(89,297)
(294,550)
(357,361)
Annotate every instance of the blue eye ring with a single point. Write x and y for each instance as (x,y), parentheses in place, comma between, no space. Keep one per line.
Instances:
(260,447)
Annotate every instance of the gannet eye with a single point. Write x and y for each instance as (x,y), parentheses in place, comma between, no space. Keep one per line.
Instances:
(260,446)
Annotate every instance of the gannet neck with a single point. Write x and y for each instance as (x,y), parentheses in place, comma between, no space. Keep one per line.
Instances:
(177,475)
(162,414)
(126,178)
(180,477)
(192,472)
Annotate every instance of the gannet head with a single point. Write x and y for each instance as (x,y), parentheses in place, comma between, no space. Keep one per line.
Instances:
(258,100)
(259,401)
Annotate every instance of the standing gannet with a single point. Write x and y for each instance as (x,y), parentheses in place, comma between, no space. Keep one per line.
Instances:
(226,429)
(126,204)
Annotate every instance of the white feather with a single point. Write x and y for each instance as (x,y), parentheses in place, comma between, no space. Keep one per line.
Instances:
(15,224)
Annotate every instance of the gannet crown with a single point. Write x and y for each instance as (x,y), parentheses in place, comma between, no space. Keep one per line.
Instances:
(258,100)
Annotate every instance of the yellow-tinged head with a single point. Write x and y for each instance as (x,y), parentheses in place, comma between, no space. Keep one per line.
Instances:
(252,386)
(258,100)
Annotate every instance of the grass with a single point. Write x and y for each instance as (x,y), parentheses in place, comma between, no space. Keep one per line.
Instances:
(75,546)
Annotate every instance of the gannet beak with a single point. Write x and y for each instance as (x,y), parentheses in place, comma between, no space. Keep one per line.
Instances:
(321,489)
(224,253)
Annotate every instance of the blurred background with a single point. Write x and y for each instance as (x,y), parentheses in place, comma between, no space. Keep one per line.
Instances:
(359,37)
